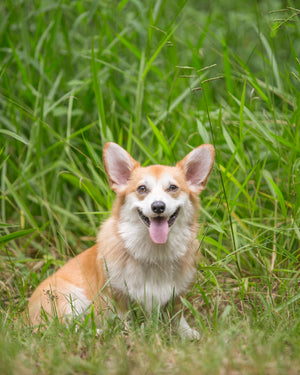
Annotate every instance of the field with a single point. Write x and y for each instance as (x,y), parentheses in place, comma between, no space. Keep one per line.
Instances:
(159,78)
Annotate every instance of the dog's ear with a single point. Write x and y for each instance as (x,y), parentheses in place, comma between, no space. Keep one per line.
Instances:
(118,165)
(197,166)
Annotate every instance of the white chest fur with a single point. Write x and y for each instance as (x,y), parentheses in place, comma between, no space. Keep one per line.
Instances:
(149,284)
(152,273)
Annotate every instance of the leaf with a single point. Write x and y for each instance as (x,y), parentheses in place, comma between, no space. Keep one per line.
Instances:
(14,135)
(86,186)
(98,95)
(14,235)
(159,48)
(279,196)
(161,139)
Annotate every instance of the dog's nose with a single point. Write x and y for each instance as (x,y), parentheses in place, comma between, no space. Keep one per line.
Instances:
(158,207)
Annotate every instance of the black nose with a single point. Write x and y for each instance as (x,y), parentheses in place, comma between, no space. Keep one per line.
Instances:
(158,207)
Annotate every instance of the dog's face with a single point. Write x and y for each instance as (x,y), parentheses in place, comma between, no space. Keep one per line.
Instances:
(157,196)
(157,203)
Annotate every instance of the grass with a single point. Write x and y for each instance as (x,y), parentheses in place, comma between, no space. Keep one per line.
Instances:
(159,78)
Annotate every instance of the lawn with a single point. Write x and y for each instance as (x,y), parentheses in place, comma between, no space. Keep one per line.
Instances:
(159,78)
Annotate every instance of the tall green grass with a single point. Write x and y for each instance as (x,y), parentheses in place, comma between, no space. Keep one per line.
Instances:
(159,78)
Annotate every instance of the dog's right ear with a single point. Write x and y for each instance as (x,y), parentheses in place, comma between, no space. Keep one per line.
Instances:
(118,165)
(197,166)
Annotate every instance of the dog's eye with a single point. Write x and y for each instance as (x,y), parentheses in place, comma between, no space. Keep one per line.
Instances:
(142,189)
(172,188)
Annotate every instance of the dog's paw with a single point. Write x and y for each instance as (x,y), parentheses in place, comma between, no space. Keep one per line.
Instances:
(99,332)
(191,334)
(185,331)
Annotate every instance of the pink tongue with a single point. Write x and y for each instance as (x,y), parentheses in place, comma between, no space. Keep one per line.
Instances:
(159,229)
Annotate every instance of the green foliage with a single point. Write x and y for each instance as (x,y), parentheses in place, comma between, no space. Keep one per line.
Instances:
(159,78)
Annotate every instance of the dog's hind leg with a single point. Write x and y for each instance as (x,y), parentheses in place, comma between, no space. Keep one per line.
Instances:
(50,301)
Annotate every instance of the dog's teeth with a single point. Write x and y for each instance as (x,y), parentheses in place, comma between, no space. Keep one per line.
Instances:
(144,218)
(147,222)
(173,217)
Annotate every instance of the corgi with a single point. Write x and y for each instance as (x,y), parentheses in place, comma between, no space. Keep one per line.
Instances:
(146,250)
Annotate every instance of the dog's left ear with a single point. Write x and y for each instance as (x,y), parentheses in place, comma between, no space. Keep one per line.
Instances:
(118,165)
(197,166)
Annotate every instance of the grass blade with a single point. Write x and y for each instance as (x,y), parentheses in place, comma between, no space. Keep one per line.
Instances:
(15,235)
(161,139)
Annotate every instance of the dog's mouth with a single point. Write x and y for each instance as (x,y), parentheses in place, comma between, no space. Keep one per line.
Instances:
(158,226)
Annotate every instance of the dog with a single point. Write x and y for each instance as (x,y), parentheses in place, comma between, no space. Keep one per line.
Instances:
(146,250)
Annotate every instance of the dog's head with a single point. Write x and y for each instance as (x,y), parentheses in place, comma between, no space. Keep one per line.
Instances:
(153,200)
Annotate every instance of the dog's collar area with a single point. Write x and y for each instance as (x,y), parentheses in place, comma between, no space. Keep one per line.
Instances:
(146,220)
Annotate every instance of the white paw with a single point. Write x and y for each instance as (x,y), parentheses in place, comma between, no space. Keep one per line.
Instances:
(185,331)
(99,332)
(192,334)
